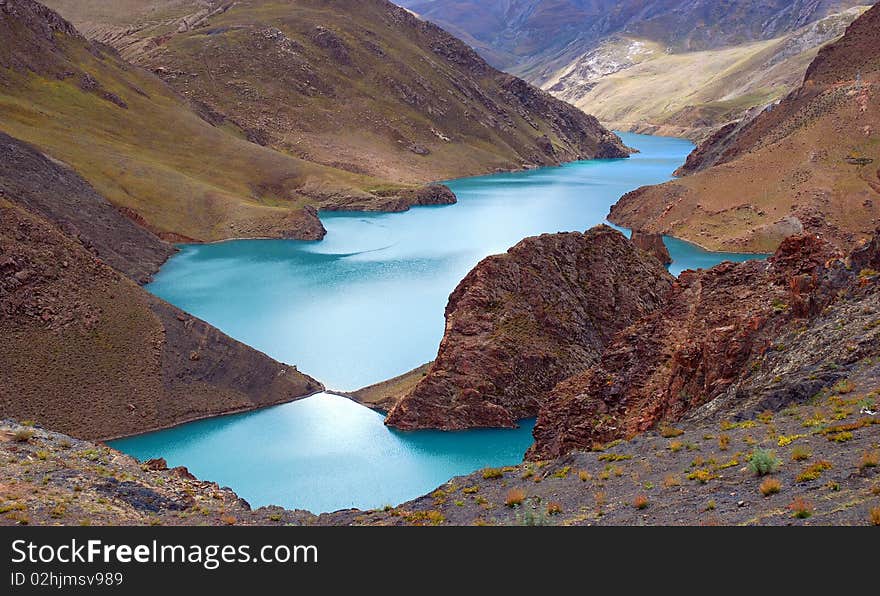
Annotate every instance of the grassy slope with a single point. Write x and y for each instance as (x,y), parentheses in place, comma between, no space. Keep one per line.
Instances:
(158,158)
(795,168)
(361,108)
(384,395)
(690,93)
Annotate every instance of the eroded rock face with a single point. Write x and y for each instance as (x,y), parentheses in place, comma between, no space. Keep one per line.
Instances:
(653,244)
(522,321)
(716,329)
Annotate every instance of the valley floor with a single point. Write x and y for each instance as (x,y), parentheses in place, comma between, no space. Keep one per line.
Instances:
(827,452)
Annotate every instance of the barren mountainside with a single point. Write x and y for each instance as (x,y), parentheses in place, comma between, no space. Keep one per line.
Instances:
(808,164)
(667,66)
(359,85)
(85,350)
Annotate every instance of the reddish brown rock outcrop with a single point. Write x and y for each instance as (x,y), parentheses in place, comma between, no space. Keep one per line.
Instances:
(715,328)
(522,321)
(652,244)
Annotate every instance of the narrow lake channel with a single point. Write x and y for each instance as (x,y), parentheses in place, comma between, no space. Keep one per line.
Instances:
(365,304)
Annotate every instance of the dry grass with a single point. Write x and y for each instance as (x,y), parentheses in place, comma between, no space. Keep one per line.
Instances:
(869,459)
(515,496)
(770,486)
(801,508)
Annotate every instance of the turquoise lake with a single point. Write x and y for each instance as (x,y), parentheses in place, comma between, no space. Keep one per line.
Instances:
(365,304)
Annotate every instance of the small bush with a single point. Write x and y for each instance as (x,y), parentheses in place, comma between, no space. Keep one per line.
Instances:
(843,386)
(770,486)
(785,441)
(801,508)
(469,490)
(228,520)
(875,516)
(640,502)
(491,473)
(23,435)
(585,476)
(554,508)
(671,480)
(841,437)
(800,453)
(763,462)
(676,446)
(702,476)
(667,432)
(614,457)
(562,472)
(723,442)
(515,496)
(869,459)
(710,506)
(813,471)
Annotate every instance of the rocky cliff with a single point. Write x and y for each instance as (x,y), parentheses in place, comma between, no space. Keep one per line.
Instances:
(733,340)
(808,164)
(360,85)
(520,322)
(85,350)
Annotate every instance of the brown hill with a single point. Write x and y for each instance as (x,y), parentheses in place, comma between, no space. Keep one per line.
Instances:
(357,84)
(809,164)
(85,350)
(520,322)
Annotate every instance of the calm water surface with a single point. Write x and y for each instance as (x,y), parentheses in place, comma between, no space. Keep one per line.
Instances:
(366,304)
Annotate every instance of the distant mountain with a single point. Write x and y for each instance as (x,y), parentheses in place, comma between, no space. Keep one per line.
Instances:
(673,66)
(359,85)
(808,164)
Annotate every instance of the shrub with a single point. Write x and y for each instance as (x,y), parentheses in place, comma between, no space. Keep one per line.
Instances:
(671,480)
(676,446)
(469,490)
(584,476)
(515,496)
(800,453)
(843,386)
(490,473)
(723,442)
(640,502)
(770,486)
(763,462)
(875,516)
(701,476)
(228,520)
(562,472)
(841,437)
(813,471)
(710,506)
(614,457)
(554,508)
(801,508)
(23,435)
(667,432)
(869,459)
(784,441)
